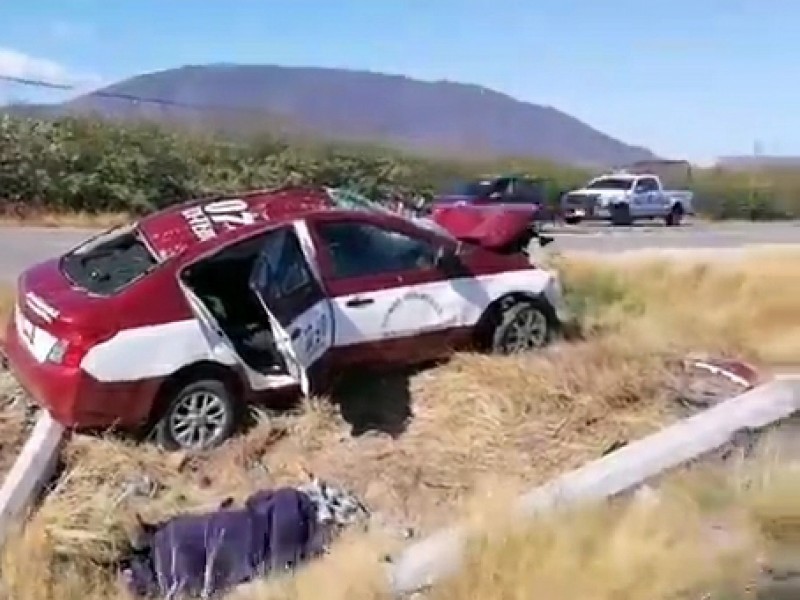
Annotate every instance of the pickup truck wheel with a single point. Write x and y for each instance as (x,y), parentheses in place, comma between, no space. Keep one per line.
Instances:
(675,216)
(523,326)
(621,214)
(200,415)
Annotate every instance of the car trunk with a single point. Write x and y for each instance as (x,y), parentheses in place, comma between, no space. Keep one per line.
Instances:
(66,305)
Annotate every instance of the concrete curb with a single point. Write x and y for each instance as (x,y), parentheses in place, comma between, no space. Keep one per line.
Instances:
(31,471)
(441,554)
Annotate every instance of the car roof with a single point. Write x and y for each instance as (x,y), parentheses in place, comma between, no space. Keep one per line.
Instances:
(216,221)
(227,239)
(622,176)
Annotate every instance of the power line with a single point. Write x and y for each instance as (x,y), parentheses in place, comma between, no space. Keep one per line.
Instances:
(37,83)
(133,98)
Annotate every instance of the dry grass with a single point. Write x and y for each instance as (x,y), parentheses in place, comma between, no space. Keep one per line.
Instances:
(6,306)
(13,429)
(525,418)
(741,303)
(76,220)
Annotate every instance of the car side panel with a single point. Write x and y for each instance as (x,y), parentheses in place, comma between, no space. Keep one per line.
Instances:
(416,315)
(402,315)
(158,339)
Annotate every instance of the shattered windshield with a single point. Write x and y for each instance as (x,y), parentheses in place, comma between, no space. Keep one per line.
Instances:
(351,200)
(109,262)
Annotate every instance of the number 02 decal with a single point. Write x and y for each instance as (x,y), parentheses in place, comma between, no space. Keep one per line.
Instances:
(229,213)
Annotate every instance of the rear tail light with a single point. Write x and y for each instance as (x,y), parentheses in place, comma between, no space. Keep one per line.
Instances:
(70,350)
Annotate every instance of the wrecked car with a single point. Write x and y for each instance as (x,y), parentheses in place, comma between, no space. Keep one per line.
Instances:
(502,213)
(175,323)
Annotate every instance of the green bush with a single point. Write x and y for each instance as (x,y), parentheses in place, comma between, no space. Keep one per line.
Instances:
(92,165)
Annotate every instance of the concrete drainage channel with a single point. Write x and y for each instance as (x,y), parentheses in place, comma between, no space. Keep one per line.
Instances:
(764,406)
(766,403)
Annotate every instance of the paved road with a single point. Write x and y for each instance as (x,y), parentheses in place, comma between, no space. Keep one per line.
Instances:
(698,235)
(20,247)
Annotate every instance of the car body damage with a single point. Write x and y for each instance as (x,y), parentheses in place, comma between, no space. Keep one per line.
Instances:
(497,212)
(180,320)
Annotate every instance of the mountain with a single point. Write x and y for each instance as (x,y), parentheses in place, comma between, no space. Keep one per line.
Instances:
(439,116)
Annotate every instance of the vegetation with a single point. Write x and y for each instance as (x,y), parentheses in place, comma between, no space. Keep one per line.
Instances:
(93,166)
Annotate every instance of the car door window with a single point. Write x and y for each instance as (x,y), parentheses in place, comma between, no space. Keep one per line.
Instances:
(527,191)
(647,185)
(282,276)
(364,249)
(504,186)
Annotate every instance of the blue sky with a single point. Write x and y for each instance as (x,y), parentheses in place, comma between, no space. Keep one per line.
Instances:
(689,79)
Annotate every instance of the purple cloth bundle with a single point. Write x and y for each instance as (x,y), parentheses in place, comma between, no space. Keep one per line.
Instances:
(204,554)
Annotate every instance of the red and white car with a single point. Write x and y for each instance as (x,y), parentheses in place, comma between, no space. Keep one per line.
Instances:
(178,321)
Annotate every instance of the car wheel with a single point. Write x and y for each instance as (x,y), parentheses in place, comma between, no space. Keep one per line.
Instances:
(621,214)
(675,216)
(572,220)
(523,326)
(200,415)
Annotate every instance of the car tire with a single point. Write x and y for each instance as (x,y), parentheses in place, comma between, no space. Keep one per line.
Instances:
(675,216)
(200,415)
(621,214)
(523,326)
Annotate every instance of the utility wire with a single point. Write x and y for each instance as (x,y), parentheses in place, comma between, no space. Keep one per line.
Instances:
(133,98)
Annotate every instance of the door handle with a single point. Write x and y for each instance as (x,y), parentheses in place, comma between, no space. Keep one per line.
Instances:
(295,333)
(356,302)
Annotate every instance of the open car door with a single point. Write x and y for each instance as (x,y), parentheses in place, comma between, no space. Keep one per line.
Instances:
(299,311)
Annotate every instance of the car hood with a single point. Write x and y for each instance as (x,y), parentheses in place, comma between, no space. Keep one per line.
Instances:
(491,227)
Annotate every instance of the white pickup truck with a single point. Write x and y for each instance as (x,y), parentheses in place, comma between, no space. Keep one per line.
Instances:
(624,197)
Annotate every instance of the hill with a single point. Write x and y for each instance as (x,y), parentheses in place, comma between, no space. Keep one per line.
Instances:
(436,117)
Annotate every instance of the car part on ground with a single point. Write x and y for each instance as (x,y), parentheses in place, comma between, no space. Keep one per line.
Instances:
(251,298)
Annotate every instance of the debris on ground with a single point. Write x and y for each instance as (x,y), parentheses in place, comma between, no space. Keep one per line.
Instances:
(701,382)
(273,532)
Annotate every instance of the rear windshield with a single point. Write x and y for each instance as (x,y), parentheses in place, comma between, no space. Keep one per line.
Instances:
(610,183)
(110,262)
